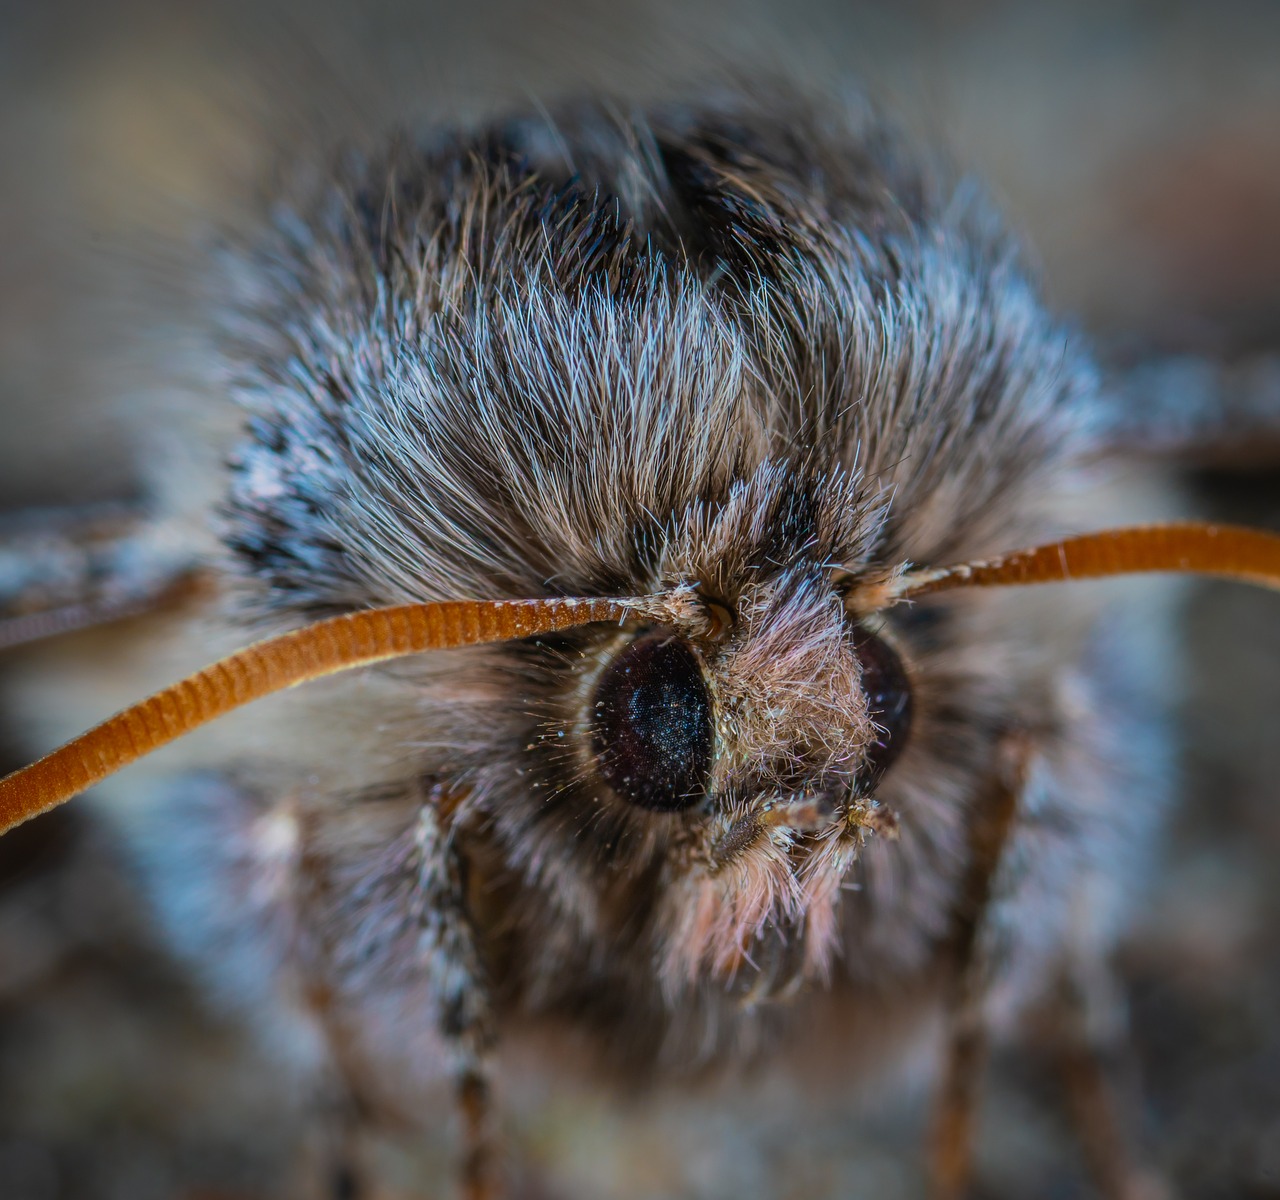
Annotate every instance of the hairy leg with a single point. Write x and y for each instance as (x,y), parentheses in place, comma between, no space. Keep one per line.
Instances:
(1089,1038)
(956,1103)
(342,922)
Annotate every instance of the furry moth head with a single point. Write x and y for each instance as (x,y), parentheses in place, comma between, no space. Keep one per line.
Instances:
(724,373)
(751,353)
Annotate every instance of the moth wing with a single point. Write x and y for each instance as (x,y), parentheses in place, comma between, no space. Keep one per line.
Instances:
(68,569)
(1197,412)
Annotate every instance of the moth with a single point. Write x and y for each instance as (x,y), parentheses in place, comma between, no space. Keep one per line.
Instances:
(678,476)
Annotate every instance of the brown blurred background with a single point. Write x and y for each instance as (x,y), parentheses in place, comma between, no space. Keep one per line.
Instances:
(1138,147)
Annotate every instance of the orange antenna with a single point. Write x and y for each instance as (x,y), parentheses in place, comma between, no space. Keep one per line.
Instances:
(377,635)
(270,666)
(1227,551)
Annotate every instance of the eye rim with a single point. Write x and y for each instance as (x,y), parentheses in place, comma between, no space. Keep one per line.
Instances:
(670,802)
(895,736)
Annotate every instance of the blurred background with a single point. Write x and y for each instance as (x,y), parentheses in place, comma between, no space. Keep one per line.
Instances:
(1136,144)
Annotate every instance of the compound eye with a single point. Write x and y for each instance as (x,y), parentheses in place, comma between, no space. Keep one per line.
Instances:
(651,725)
(884,679)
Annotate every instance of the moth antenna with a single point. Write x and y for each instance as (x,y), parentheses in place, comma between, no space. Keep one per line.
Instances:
(324,648)
(1195,547)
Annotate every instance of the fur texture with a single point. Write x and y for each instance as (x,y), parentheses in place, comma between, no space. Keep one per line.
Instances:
(752,349)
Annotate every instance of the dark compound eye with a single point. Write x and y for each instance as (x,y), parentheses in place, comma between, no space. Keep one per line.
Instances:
(651,725)
(888,689)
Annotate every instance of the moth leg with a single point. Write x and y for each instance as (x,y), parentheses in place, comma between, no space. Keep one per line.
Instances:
(965,1053)
(1089,1038)
(330,1167)
(465,1020)
(339,926)
(480,1175)
(62,570)
(399,950)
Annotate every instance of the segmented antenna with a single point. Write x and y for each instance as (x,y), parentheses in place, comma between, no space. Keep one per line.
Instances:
(325,648)
(1227,551)
(377,635)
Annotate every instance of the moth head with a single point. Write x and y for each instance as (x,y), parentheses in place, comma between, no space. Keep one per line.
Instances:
(664,355)
(716,376)
(758,735)
(787,700)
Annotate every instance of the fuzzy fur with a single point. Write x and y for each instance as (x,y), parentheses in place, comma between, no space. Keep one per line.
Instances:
(754,349)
